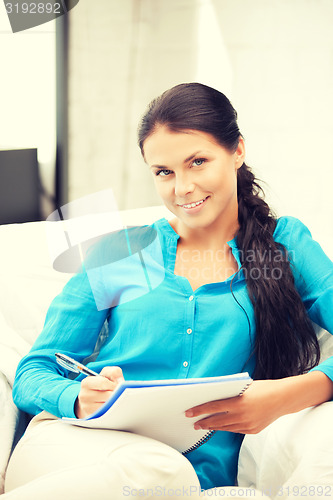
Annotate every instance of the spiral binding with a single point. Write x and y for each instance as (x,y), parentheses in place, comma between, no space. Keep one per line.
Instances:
(209,434)
(201,441)
(247,385)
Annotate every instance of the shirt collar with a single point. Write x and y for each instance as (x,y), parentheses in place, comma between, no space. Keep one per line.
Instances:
(235,251)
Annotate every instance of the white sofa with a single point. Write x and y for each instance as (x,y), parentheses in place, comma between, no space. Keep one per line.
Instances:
(295,451)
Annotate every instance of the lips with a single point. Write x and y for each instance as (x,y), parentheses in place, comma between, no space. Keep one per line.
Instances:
(194,203)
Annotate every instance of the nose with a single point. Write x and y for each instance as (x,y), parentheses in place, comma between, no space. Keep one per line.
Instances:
(183,185)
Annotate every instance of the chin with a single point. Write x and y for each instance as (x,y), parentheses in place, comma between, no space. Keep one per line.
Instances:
(199,222)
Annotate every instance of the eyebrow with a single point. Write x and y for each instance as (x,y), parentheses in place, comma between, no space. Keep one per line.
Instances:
(185,161)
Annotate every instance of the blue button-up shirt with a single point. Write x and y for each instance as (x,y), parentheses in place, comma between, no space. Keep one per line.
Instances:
(160,328)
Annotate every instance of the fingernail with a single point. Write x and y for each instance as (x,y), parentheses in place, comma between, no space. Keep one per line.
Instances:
(189,413)
(197,426)
(120,379)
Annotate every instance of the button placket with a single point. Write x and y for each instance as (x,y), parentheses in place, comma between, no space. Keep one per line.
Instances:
(188,331)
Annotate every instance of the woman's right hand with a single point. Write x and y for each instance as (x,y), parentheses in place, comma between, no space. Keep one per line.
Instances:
(96,390)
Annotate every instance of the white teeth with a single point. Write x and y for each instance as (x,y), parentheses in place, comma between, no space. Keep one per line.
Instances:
(192,205)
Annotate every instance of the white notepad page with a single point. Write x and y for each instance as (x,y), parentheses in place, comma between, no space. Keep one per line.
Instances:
(158,411)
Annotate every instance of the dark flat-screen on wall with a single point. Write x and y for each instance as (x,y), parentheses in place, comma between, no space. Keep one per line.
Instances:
(19,186)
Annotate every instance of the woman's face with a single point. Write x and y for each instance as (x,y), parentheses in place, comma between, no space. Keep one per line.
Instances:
(195,176)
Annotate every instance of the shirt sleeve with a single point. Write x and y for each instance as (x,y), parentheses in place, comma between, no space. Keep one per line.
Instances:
(72,326)
(313,272)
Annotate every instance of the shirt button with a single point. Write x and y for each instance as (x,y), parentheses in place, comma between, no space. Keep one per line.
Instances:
(185,364)
(189,331)
(191,297)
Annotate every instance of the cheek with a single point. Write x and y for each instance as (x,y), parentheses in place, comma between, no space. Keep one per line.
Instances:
(225,184)
(163,188)
(219,177)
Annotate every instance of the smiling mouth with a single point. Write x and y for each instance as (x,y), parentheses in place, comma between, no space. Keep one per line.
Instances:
(194,204)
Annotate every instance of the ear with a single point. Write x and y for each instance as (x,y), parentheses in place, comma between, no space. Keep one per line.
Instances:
(240,153)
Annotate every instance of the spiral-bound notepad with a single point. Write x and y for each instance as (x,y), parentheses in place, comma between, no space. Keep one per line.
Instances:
(156,408)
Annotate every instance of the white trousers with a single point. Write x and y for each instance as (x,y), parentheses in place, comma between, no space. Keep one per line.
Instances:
(56,460)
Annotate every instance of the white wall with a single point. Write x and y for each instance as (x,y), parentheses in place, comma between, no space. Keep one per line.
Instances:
(273,58)
(281,53)
(121,55)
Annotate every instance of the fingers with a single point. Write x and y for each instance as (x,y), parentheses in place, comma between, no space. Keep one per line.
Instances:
(113,373)
(234,425)
(218,419)
(226,415)
(219,406)
(107,380)
(97,384)
(96,390)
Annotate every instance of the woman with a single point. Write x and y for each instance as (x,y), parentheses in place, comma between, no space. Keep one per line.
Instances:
(239,293)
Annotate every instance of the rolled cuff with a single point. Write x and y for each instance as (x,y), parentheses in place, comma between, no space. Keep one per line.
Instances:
(67,400)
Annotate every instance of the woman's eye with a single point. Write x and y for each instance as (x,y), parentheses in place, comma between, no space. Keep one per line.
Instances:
(163,172)
(198,162)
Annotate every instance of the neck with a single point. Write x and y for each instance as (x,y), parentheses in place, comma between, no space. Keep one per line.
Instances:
(214,236)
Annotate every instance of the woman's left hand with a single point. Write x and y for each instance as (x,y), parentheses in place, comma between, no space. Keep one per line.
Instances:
(260,405)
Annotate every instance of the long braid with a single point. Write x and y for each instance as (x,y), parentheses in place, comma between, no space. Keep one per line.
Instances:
(282,325)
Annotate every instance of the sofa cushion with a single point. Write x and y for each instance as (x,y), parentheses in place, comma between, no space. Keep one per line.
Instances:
(28,280)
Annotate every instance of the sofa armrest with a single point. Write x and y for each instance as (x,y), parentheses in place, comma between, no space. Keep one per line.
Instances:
(294,453)
(8,422)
